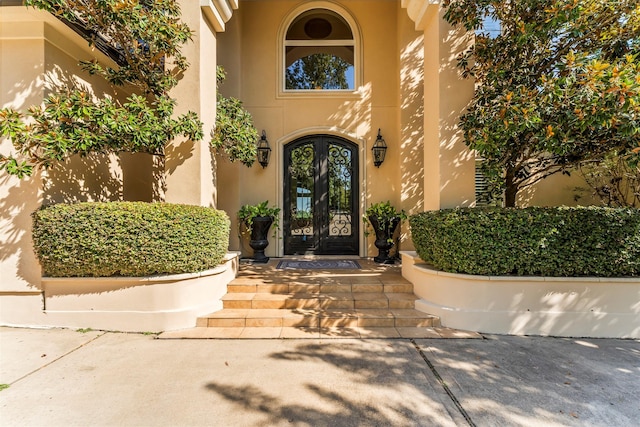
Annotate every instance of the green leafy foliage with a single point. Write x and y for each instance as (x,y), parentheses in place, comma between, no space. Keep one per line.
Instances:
(148,35)
(563,242)
(247,213)
(558,85)
(128,239)
(384,213)
(73,121)
(234,135)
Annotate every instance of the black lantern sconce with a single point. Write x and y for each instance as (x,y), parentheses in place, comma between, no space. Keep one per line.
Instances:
(379,150)
(264,151)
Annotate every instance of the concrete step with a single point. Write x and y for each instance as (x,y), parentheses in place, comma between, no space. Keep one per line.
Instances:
(318,318)
(258,286)
(318,301)
(374,302)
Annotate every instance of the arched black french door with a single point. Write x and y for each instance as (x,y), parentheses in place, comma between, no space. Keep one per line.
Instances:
(321,214)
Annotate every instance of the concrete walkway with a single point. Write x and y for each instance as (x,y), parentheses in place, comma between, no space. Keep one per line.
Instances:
(62,377)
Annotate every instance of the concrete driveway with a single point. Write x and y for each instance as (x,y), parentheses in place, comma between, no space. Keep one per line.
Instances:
(62,377)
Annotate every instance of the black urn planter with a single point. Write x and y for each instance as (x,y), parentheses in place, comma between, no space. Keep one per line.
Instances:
(384,238)
(259,242)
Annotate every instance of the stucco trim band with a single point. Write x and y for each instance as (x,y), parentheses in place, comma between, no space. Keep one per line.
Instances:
(596,307)
(218,12)
(417,10)
(136,304)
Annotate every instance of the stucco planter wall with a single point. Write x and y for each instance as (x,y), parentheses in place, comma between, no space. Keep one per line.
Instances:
(571,307)
(136,304)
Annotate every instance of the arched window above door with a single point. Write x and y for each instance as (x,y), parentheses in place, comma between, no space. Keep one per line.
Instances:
(320,51)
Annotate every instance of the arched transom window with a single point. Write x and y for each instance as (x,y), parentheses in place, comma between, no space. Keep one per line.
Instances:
(319,52)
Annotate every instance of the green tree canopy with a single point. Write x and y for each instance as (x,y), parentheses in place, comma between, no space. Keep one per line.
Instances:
(234,135)
(558,85)
(148,36)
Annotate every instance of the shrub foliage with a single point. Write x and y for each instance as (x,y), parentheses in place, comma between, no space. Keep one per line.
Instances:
(128,238)
(563,242)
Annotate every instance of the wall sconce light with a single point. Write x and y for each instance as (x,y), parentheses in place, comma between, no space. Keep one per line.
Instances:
(264,151)
(379,150)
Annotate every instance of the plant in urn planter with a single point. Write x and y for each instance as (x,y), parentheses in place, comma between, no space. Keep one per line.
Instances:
(384,219)
(257,220)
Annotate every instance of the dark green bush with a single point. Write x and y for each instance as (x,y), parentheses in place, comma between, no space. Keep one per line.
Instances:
(128,239)
(563,242)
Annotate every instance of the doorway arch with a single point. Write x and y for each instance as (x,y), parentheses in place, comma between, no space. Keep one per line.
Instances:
(321,196)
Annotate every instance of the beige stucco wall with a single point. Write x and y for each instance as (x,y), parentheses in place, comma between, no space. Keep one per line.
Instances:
(37,55)
(558,190)
(386,98)
(408,87)
(411,74)
(449,165)
(20,86)
(190,176)
(597,307)
(136,304)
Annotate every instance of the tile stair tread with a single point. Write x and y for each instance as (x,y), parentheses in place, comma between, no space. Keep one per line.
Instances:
(267,313)
(376,318)
(401,296)
(245,296)
(338,304)
(411,312)
(306,332)
(369,296)
(284,288)
(228,313)
(338,313)
(287,312)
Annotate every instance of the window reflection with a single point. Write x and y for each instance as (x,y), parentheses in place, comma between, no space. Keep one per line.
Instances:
(319,52)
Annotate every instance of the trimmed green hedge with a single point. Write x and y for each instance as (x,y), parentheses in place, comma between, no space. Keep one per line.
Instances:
(128,239)
(562,242)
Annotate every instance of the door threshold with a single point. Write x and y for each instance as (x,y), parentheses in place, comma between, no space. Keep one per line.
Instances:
(319,257)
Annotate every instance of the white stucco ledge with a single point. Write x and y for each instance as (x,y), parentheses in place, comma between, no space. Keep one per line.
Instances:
(136,304)
(218,12)
(595,307)
(418,10)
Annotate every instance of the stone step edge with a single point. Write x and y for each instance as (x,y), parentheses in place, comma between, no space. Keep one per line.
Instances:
(331,318)
(435,332)
(245,296)
(280,312)
(313,322)
(305,288)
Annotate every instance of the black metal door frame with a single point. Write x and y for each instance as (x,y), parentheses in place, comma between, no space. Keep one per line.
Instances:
(329,230)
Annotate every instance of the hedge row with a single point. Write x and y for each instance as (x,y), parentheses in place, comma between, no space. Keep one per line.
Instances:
(562,242)
(128,239)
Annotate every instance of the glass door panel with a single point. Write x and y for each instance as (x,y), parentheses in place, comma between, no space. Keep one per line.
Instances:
(320,215)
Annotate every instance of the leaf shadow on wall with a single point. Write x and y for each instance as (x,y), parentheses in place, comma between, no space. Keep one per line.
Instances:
(95,177)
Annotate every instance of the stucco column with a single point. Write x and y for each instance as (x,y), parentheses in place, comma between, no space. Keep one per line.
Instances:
(449,166)
(411,69)
(190,165)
